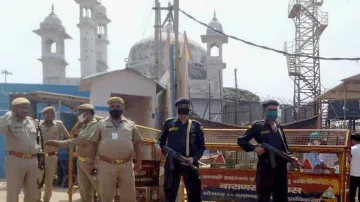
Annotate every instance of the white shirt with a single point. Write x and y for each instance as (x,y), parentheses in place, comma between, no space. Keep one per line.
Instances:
(329,159)
(355,161)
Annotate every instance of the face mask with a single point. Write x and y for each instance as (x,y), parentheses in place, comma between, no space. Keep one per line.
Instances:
(115,113)
(183,111)
(271,115)
(316,142)
(81,118)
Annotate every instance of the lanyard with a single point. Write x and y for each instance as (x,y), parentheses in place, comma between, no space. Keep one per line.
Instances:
(115,125)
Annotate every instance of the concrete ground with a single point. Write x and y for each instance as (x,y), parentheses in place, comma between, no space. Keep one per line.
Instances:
(59,195)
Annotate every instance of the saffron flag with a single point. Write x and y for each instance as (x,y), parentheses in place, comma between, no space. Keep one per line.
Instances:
(185,57)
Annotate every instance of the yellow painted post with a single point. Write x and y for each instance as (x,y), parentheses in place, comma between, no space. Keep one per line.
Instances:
(181,194)
(71,166)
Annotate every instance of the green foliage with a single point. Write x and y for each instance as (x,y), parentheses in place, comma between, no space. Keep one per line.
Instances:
(230,93)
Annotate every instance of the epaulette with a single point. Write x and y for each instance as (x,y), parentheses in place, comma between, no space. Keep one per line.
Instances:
(258,122)
(59,121)
(168,120)
(196,122)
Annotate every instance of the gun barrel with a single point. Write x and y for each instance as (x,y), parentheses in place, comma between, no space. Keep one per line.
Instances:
(178,156)
(276,152)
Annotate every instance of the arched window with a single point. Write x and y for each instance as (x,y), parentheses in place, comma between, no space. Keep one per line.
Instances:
(214,51)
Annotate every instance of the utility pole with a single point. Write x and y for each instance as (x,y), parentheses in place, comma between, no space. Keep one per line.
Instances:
(221,100)
(157,40)
(209,101)
(177,50)
(6,73)
(237,95)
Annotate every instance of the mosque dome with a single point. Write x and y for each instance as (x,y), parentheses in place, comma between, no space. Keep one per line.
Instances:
(100,9)
(141,55)
(215,24)
(52,22)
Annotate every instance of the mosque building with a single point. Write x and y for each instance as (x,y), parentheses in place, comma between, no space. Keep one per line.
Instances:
(205,66)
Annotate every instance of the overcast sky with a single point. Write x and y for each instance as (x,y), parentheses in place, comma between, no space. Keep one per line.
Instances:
(261,21)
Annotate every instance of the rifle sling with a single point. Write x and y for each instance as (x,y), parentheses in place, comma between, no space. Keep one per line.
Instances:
(188,138)
(282,138)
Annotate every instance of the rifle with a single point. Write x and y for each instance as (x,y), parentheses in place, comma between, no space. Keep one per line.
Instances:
(273,151)
(178,157)
(41,155)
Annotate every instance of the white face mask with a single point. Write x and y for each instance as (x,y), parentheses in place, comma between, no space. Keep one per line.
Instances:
(81,118)
(316,142)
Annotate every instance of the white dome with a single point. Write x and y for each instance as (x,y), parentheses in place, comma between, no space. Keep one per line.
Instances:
(52,21)
(100,9)
(215,24)
(141,55)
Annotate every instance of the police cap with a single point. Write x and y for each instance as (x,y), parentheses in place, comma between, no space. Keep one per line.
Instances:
(182,101)
(269,103)
(48,108)
(85,107)
(315,136)
(20,101)
(115,100)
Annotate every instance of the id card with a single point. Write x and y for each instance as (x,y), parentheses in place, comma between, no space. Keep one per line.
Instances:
(114,135)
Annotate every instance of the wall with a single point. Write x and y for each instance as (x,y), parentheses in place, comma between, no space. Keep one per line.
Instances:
(124,83)
(247,112)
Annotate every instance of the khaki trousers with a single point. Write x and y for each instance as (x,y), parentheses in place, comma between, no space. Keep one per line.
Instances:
(50,171)
(20,173)
(86,181)
(108,175)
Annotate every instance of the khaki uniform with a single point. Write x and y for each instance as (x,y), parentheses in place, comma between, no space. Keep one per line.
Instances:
(116,153)
(21,162)
(83,145)
(53,131)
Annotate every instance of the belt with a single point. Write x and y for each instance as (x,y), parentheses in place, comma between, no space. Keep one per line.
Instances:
(115,161)
(83,159)
(50,153)
(22,155)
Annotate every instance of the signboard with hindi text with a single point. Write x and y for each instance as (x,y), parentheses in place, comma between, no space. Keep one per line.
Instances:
(148,176)
(239,185)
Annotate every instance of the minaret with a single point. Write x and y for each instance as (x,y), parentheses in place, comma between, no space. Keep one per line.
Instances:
(214,62)
(87,28)
(53,35)
(102,42)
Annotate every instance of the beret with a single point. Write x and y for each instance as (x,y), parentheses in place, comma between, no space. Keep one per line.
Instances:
(115,100)
(315,135)
(19,101)
(270,102)
(48,108)
(182,101)
(86,107)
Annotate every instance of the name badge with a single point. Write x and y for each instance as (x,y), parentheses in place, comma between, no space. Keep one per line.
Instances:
(115,135)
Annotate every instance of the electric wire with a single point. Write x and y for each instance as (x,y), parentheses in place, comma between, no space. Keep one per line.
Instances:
(268,48)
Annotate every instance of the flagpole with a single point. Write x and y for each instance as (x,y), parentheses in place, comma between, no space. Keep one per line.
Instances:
(176,33)
(172,80)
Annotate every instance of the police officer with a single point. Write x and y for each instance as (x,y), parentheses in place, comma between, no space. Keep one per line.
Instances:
(51,130)
(118,141)
(270,179)
(175,131)
(21,162)
(85,164)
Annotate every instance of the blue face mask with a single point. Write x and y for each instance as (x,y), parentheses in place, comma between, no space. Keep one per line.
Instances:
(271,115)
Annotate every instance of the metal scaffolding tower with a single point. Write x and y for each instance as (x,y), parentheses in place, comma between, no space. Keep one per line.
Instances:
(310,23)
